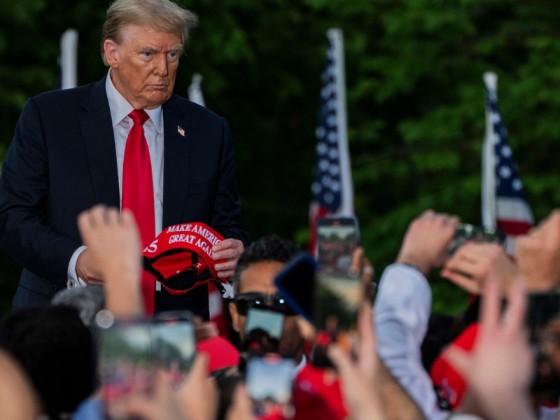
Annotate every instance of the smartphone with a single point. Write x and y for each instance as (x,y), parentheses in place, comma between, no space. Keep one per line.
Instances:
(328,300)
(269,384)
(340,292)
(466,232)
(173,343)
(337,237)
(296,282)
(125,361)
(543,323)
(263,331)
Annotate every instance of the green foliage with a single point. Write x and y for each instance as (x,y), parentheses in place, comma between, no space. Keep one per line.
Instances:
(414,91)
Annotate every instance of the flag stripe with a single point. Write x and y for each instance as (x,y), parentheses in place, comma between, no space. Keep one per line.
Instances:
(514,227)
(513,209)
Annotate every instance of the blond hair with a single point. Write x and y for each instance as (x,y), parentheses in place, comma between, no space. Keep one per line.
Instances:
(162,15)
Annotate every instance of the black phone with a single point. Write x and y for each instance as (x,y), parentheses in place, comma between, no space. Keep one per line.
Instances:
(296,283)
(466,232)
(329,298)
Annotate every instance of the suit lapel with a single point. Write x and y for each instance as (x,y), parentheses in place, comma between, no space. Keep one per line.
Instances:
(99,141)
(177,152)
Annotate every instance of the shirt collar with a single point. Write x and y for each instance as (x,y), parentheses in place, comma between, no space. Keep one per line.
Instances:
(120,108)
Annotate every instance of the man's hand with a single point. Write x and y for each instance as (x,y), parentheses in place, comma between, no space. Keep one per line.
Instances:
(85,269)
(229,249)
(426,240)
(114,251)
(113,242)
(538,254)
(474,262)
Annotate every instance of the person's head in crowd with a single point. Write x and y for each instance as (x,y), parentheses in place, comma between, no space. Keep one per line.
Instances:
(55,349)
(256,269)
(142,42)
(18,399)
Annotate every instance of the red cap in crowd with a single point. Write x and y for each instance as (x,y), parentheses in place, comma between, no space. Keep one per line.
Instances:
(450,383)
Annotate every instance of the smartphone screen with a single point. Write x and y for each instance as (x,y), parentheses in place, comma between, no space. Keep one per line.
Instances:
(125,361)
(173,343)
(269,383)
(269,321)
(337,237)
(263,332)
(543,323)
(339,293)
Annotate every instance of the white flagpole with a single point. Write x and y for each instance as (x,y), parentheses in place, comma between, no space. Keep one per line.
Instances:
(195,91)
(347,206)
(69,59)
(488,160)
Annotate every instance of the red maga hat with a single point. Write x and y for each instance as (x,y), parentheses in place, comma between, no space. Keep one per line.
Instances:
(185,248)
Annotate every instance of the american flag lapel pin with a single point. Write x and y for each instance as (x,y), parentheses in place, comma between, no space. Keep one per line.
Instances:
(181,131)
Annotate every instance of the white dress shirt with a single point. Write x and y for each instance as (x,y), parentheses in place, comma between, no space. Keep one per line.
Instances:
(402,310)
(153,131)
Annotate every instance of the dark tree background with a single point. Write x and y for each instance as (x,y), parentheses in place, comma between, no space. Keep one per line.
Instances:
(414,91)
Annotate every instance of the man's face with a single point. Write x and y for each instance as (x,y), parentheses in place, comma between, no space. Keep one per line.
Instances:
(259,278)
(144,64)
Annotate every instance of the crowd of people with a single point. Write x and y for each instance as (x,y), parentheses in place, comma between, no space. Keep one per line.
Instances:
(89,334)
(50,354)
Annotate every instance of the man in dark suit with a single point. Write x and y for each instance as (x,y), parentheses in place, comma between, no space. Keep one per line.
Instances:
(69,150)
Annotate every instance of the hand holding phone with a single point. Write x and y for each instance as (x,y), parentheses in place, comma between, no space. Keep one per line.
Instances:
(466,232)
(325,292)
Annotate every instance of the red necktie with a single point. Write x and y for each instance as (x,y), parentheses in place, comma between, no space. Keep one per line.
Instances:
(138,193)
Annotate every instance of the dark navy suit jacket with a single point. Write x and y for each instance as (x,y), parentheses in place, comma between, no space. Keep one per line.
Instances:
(62,161)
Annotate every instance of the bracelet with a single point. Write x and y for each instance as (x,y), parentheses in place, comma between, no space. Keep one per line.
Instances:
(413,266)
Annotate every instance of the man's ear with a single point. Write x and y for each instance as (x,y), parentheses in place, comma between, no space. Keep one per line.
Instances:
(234,317)
(111,53)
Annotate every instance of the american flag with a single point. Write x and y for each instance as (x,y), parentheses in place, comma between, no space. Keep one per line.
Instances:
(332,187)
(504,203)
